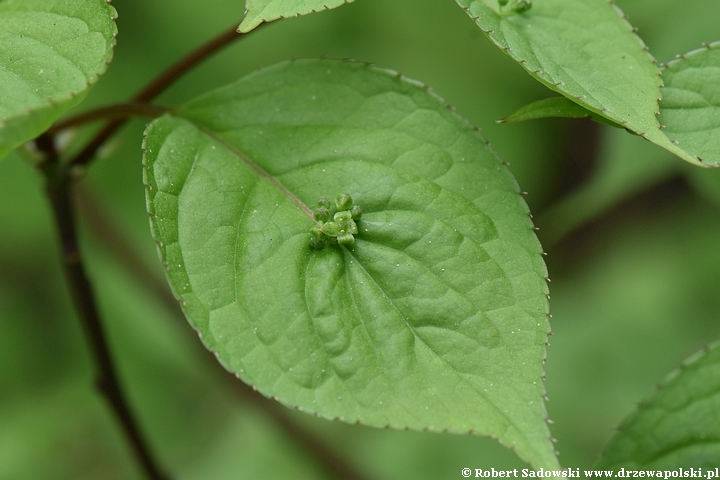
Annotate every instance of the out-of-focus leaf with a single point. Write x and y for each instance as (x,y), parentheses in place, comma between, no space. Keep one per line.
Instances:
(588,52)
(615,180)
(258,11)
(690,107)
(51,52)
(434,318)
(554,107)
(678,426)
(706,183)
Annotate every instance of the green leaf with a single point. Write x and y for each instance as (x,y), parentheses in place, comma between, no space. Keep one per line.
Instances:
(676,427)
(51,52)
(690,108)
(434,318)
(554,107)
(586,51)
(258,11)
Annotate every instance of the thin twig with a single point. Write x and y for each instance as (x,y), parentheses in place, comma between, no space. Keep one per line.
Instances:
(101,225)
(59,181)
(154,88)
(59,190)
(118,111)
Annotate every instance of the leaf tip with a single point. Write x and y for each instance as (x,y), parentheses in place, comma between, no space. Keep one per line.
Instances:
(248,23)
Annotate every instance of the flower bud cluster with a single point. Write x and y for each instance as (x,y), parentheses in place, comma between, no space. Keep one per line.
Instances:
(335,222)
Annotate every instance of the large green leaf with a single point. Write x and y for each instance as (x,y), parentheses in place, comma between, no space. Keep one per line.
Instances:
(678,426)
(690,108)
(51,52)
(258,11)
(587,51)
(434,318)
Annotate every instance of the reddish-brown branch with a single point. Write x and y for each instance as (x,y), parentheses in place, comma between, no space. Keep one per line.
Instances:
(59,191)
(155,87)
(116,112)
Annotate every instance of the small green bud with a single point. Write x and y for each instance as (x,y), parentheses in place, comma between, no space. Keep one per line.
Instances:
(317,231)
(343,216)
(345,222)
(324,202)
(356,212)
(343,202)
(521,6)
(318,239)
(502,3)
(346,239)
(331,229)
(317,243)
(322,214)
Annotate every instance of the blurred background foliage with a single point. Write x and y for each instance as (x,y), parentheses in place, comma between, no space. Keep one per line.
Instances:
(629,231)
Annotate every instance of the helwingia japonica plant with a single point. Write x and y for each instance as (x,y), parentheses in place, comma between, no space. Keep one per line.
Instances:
(341,239)
(424,315)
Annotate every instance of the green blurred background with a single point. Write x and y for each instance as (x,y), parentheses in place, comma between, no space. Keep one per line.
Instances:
(628,228)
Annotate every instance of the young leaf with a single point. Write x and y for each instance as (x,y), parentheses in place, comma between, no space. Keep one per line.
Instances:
(690,108)
(258,11)
(554,107)
(676,427)
(434,317)
(586,51)
(51,52)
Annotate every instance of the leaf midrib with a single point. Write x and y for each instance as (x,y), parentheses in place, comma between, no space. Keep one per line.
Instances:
(254,166)
(418,337)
